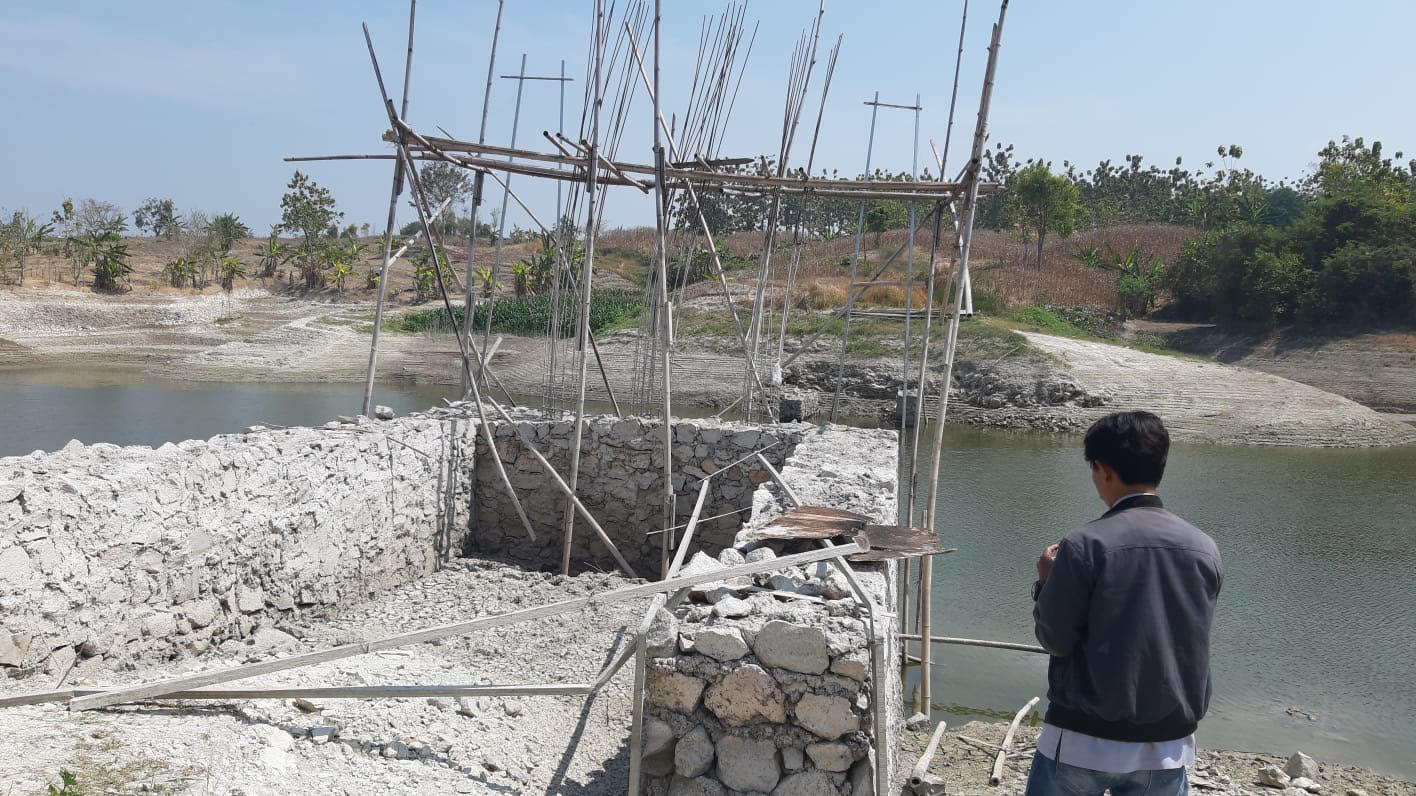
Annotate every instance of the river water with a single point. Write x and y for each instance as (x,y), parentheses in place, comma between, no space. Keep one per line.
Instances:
(1318,611)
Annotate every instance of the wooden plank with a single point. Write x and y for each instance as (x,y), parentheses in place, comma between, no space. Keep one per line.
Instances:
(149,690)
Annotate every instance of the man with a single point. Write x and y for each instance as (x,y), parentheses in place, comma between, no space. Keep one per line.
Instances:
(1124,605)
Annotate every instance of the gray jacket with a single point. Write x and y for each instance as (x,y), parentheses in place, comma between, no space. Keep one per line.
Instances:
(1125,613)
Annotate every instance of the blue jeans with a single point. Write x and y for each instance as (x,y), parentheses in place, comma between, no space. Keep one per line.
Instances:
(1049,778)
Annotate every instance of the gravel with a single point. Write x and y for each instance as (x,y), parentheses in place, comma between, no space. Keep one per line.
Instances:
(481,745)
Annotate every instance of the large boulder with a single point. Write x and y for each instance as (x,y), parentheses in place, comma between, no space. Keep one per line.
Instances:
(829,717)
(1301,765)
(694,754)
(748,695)
(720,643)
(748,765)
(797,648)
(673,690)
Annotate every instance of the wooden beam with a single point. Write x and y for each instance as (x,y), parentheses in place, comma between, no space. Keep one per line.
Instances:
(188,682)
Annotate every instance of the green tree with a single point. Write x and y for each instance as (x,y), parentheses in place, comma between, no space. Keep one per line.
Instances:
(1044,202)
(22,236)
(307,208)
(440,181)
(158,216)
(886,215)
(226,229)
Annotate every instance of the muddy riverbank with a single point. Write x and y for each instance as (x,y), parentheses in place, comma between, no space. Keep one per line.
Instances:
(1048,383)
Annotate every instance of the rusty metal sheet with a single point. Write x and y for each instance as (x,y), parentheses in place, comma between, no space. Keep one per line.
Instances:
(811,522)
(888,542)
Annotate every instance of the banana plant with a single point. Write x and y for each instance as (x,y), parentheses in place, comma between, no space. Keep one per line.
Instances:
(273,254)
(229,271)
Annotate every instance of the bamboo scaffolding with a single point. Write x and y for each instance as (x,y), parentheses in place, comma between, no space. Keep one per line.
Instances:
(673,176)
(419,205)
(214,677)
(718,269)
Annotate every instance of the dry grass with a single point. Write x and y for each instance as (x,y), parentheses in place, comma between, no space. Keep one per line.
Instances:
(1006,264)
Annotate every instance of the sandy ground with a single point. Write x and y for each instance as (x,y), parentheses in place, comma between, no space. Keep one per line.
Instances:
(1212,402)
(253,335)
(493,745)
(966,766)
(1376,369)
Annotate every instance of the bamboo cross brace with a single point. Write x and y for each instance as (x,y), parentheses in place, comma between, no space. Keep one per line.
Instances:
(660,601)
(323,692)
(637,648)
(565,488)
(150,690)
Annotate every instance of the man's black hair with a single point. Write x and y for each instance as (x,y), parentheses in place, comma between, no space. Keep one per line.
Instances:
(1134,444)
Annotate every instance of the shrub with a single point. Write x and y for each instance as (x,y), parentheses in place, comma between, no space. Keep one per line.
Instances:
(529,316)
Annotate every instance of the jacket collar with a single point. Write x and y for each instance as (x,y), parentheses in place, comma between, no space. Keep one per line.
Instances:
(1134,502)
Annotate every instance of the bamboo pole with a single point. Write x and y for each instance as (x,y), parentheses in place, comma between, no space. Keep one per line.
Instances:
(394,193)
(921,768)
(665,308)
(463,345)
(855,262)
(636,725)
(587,276)
(975,642)
(191,681)
(971,178)
(477,192)
(418,205)
(501,220)
(605,377)
(996,777)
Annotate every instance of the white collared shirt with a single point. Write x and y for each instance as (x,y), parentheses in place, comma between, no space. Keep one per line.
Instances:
(1114,757)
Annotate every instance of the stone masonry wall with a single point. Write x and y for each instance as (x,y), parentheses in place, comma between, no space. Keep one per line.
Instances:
(764,685)
(108,550)
(621,483)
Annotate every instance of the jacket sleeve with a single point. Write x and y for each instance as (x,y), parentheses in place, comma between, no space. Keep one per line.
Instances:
(1060,613)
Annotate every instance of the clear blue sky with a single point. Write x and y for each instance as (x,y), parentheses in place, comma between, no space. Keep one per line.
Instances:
(199,101)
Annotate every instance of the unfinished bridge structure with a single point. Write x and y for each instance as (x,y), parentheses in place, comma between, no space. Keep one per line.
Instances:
(788,565)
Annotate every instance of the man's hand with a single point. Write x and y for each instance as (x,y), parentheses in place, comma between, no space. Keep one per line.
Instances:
(1044,561)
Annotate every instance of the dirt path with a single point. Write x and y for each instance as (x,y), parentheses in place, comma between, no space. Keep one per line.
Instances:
(1211,402)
